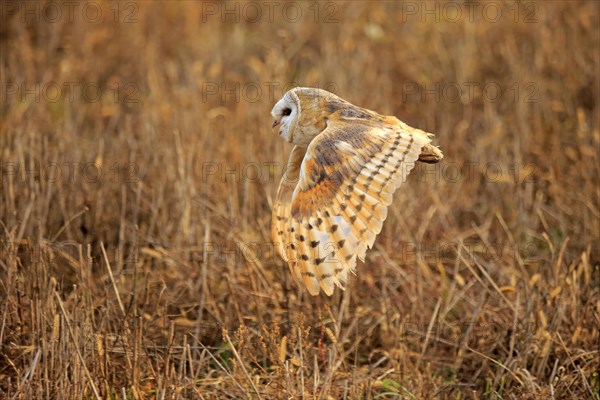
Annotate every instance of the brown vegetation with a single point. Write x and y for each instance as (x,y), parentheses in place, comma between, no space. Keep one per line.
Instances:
(139,169)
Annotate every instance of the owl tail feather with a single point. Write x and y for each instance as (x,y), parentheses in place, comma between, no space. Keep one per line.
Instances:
(430,154)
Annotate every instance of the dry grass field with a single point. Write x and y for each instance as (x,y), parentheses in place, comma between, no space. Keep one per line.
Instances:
(138,171)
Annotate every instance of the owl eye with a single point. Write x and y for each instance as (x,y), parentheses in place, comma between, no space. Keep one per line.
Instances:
(286,111)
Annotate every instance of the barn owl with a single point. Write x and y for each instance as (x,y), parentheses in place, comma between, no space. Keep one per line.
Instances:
(346,164)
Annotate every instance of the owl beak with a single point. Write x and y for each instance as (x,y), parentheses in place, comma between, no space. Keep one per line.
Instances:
(275,123)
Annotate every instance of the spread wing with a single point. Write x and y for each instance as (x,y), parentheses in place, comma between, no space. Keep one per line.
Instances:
(346,182)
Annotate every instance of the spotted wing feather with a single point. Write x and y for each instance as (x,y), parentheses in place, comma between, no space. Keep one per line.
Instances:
(346,182)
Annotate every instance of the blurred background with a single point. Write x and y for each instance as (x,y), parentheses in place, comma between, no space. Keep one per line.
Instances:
(138,170)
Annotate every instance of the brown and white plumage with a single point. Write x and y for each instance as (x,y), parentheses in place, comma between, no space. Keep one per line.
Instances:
(342,173)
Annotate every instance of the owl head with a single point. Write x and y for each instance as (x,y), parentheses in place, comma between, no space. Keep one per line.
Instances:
(301,114)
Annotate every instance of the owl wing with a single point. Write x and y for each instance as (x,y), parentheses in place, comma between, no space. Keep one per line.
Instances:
(346,182)
(282,213)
